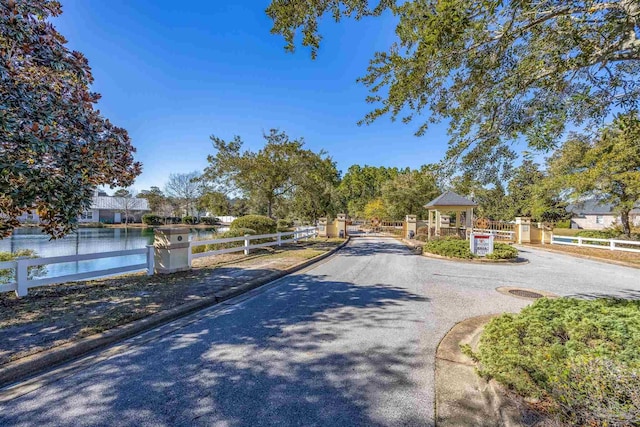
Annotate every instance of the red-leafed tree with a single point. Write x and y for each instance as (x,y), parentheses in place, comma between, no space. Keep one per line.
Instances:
(55,148)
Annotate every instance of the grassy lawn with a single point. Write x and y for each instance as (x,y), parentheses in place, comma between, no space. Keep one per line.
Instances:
(605,254)
(53,315)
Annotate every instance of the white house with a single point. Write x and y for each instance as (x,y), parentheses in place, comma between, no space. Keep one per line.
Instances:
(105,209)
(591,215)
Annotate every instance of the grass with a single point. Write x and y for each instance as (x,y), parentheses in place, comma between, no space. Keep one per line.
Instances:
(604,253)
(579,357)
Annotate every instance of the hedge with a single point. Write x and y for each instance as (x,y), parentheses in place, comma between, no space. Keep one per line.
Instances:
(151,219)
(209,220)
(579,356)
(261,224)
(454,247)
(238,232)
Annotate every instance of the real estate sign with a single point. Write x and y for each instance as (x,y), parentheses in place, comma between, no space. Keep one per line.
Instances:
(481,244)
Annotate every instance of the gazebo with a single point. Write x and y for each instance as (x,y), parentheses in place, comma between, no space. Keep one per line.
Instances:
(449,202)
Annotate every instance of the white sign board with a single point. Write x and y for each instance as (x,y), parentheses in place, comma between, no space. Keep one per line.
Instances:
(481,244)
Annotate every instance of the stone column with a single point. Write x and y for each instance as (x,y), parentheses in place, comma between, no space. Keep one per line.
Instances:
(412,226)
(322,227)
(341,223)
(523,226)
(171,250)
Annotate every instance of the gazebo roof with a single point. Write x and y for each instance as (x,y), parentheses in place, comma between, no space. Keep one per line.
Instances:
(449,198)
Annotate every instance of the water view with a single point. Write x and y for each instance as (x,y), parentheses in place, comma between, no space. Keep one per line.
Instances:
(88,241)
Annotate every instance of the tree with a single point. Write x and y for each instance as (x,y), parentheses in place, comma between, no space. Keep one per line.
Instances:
(266,176)
(606,168)
(361,184)
(125,202)
(214,202)
(499,71)
(408,192)
(315,195)
(184,188)
(155,197)
(375,209)
(55,148)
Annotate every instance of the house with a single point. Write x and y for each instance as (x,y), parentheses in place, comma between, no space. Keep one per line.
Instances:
(105,209)
(593,215)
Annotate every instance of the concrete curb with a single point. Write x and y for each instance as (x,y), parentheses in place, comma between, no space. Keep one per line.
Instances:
(29,366)
(462,397)
(589,257)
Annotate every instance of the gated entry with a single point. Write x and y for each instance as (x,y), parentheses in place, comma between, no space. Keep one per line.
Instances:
(360,227)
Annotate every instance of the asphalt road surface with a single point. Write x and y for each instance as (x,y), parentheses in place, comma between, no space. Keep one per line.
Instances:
(349,342)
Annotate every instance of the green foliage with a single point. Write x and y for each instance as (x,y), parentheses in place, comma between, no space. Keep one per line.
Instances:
(55,148)
(189,219)
(408,192)
(214,202)
(564,223)
(282,169)
(503,251)
(209,220)
(362,184)
(261,224)
(580,353)
(497,71)
(155,198)
(151,219)
(234,232)
(7,275)
(449,247)
(606,167)
(284,225)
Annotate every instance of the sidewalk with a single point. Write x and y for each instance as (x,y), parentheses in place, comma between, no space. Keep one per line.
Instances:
(56,315)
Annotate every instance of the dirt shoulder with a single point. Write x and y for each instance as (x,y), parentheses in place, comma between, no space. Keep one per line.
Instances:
(54,315)
(630,259)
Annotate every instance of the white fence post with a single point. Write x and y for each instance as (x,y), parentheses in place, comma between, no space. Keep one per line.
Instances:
(612,245)
(151,259)
(279,239)
(246,244)
(579,241)
(295,236)
(22,276)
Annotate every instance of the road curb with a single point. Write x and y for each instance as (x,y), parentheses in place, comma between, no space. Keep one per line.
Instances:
(23,368)
(462,397)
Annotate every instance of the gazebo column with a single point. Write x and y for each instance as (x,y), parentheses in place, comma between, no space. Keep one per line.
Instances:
(458,215)
(438,221)
(429,224)
(469,218)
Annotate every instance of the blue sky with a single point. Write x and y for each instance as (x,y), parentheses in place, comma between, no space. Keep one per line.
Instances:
(173,73)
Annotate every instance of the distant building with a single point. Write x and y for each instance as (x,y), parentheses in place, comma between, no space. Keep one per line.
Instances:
(105,209)
(592,215)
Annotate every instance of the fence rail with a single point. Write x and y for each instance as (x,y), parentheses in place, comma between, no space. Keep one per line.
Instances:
(22,282)
(279,239)
(497,234)
(611,244)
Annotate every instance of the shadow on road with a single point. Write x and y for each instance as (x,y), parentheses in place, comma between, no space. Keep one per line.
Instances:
(284,358)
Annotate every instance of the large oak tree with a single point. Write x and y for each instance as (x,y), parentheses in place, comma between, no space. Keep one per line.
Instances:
(55,147)
(499,71)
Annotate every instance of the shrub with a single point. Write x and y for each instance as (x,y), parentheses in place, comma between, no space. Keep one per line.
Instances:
(284,225)
(151,219)
(449,247)
(261,224)
(7,274)
(579,355)
(565,223)
(237,232)
(189,219)
(210,220)
(503,251)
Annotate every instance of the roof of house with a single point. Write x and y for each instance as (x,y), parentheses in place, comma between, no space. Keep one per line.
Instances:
(594,207)
(110,202)
(449,198)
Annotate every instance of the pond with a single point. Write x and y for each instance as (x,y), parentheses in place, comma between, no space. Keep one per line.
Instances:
(87,241)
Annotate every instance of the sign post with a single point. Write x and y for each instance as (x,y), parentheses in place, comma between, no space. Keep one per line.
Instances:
(481,244)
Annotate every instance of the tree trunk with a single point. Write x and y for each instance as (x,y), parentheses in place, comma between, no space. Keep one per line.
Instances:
(269,208)
(624,218)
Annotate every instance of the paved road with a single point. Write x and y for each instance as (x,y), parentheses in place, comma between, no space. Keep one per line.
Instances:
(349,342)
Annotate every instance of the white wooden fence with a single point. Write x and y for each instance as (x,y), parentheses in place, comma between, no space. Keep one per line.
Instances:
(502,235)
(275,239)
(21,281)
(611,244)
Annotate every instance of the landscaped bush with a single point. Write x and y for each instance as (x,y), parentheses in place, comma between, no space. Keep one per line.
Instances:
(236,232)
(210,220)
(450,247)
(565,223)
(261,224)
(189,219)
(151,219)
(579,356)
(503,251)
(284,225)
